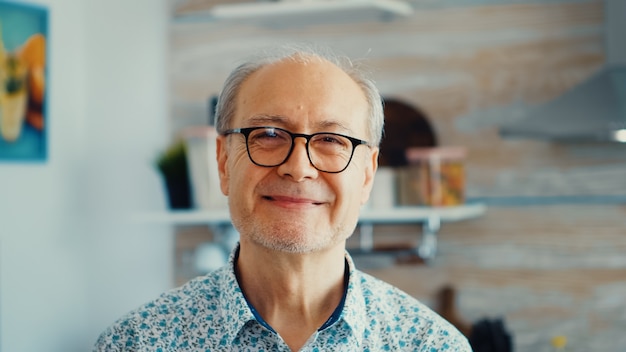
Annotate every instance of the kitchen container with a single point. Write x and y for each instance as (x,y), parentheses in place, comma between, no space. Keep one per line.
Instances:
(202,163)
(433,177)
(383,194)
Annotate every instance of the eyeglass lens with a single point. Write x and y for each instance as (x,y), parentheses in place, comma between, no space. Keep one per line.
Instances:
(327,151)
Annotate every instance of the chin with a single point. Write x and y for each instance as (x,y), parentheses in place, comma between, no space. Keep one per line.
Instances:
(294,240)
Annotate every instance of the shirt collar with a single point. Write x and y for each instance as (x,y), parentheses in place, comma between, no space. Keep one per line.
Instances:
(353,314)
(234,307)
(354,310)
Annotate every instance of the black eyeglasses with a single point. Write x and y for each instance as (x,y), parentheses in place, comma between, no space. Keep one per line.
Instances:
(272,146)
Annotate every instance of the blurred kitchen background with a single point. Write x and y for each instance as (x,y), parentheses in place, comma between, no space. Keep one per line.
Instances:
(533,91)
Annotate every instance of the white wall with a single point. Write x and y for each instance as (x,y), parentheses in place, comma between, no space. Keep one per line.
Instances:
(71,260)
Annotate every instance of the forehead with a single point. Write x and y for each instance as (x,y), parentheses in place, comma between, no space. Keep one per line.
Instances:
(303,93)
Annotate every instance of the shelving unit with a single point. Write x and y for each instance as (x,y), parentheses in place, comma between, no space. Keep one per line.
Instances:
(431,219)
(395,215)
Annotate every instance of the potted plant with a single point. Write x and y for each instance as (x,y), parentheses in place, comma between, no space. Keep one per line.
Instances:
(172,164)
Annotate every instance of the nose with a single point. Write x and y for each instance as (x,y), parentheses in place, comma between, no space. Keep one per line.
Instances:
(298,166)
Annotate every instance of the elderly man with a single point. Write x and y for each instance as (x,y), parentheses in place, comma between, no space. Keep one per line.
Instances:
(297,152)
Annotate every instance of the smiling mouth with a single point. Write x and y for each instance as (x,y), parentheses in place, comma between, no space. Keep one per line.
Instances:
(292,200)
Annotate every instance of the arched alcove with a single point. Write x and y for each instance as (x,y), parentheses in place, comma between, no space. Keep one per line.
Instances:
(405,126)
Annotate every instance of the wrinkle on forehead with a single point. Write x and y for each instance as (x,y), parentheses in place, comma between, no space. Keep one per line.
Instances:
(285,122)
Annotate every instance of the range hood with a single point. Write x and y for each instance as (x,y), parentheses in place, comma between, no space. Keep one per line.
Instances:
(594,111)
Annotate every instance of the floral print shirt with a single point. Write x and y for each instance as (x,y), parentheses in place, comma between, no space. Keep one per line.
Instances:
(210,313)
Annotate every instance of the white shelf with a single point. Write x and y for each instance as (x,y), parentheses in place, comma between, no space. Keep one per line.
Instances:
(396,215)
(411,214)
(431,219)
(186,217)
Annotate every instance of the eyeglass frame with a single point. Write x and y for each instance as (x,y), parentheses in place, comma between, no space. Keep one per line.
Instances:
(245,131)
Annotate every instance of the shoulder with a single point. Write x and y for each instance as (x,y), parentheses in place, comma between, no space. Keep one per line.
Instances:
(405,320)
(383,297)
(154,322)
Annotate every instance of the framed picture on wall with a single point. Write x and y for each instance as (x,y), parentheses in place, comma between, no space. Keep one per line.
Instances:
(23,82)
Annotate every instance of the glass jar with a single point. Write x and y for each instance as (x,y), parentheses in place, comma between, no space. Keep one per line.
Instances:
(433,177)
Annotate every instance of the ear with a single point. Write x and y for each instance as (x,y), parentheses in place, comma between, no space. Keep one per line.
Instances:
(371,165)
(222,162)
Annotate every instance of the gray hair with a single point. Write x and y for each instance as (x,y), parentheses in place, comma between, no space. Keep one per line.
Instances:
(225,109)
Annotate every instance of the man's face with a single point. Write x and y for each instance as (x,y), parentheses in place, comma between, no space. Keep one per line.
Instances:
(295,207)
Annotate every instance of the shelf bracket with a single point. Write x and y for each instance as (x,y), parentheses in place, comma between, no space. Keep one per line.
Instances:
(427,248)
(225,235)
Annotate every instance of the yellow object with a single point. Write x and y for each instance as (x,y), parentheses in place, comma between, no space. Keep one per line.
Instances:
(433,177)
(33,51)
(13,98)
(13,114)
(37,84)
(33,54)
(559,342)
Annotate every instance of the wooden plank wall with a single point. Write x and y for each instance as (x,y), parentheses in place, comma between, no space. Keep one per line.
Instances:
(547,269)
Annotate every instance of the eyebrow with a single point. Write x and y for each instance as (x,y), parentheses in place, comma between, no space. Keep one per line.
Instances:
(263,120)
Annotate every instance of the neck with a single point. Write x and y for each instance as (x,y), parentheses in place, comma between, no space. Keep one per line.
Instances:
(294,293)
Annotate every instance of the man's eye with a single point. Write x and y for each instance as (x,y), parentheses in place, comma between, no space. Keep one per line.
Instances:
(331,140)
(269,136)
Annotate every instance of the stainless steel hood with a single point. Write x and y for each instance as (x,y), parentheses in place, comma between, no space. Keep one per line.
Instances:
(595,110)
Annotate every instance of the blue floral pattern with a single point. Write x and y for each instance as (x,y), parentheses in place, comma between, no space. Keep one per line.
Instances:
(210,313)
